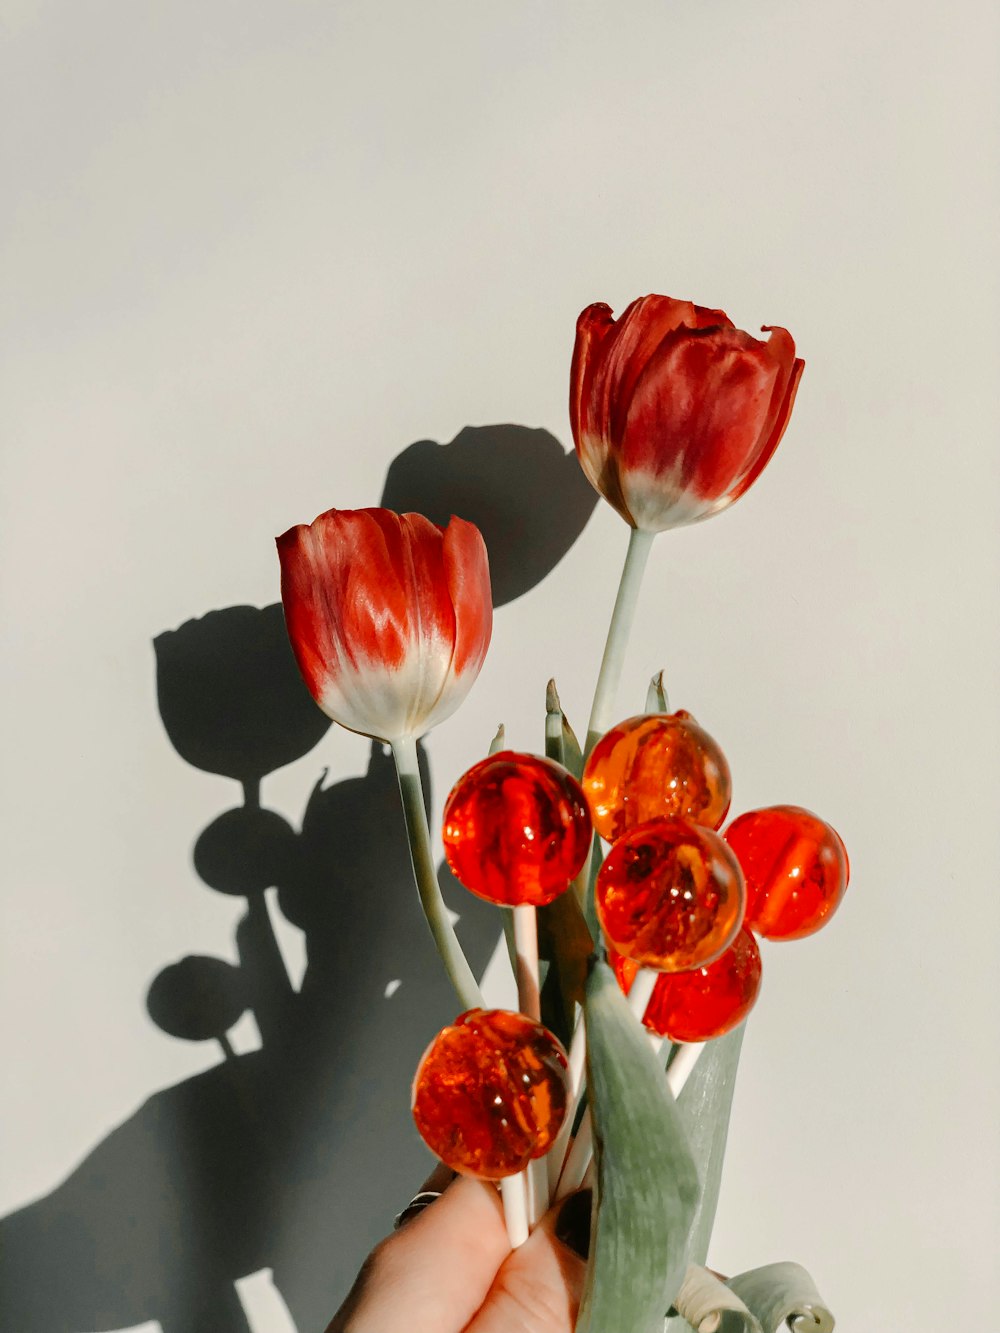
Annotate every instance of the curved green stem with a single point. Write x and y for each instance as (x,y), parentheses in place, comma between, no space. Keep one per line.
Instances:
(411,790)
(639,544)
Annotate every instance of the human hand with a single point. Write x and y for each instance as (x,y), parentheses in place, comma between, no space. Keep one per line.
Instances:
(451,1270)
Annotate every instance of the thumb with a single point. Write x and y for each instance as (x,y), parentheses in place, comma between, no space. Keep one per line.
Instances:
(538,1287)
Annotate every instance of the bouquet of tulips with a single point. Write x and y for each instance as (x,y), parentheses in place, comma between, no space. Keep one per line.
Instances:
(631,920)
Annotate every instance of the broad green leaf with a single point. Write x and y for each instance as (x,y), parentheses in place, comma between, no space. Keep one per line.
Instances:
(704,1105)
(647,1185)
(783,1293)
(707,1305)
(656,695)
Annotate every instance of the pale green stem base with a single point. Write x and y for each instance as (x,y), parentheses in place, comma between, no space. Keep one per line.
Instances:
(410,789)
(639,544)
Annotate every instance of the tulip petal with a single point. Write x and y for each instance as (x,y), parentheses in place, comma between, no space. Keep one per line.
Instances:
(593,329)
(641,329)
(694,424)
(467,573)
(466,576)
(371,612)
(675,412)
(786,385)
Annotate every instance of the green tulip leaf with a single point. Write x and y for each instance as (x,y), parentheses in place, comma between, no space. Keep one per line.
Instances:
(564,942)
(499,740)
(783,1294)
(561,743)
(707,1305)
(647,1183)
(704,1106)
(656,695)
(563,938)
(591,870)
(705,1103)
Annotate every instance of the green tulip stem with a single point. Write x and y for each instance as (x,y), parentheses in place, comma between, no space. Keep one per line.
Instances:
(456,964)
(639,544)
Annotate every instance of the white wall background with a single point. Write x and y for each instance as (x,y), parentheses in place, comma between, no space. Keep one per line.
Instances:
(253,250)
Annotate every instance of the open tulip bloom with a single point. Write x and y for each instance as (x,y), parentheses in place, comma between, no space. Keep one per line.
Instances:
(674,413)
(390,617)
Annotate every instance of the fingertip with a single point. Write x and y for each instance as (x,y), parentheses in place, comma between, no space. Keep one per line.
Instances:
(546,1275)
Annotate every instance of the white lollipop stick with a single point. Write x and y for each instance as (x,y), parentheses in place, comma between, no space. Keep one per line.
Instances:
(556,1158)
(641,991)
(579,1159)
(539,1198)
(529,999)
(681,1066)
(515,1210)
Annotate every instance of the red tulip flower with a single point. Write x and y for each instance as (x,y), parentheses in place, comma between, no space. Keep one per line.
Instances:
(389,616)
(675,412)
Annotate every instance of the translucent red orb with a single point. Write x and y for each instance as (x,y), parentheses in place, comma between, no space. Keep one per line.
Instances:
(657,766)
(516,829)
(705,1002)
(490,1093)
(670,895)
(795,867)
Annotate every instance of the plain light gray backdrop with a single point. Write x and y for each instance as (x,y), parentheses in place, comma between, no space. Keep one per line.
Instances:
(252,250)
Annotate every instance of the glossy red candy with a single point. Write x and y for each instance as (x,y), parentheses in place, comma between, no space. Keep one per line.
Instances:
(656,766)
(705,1002)
(516,829)
(670,895)
(490,1093)
(795,867)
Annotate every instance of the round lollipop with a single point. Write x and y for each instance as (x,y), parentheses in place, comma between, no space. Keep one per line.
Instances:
(516,829)
(795,867)
(670,895)
(705,1002)
(656,766)
(490,1093)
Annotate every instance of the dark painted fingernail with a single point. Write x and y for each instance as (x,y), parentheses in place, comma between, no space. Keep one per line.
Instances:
(573,1222)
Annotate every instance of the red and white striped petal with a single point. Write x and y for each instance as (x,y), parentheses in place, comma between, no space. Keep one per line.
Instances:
(389,616)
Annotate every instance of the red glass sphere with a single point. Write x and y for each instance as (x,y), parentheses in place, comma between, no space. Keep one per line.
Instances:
(516,829)
(705,1002)
(795,867)
(670,895)
(656,766)
(490,1093)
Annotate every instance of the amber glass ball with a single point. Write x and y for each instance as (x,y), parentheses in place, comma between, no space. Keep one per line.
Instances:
(706,1002)
(670,895)
(490,1093)
(516,829)
(795,867)
(657,766)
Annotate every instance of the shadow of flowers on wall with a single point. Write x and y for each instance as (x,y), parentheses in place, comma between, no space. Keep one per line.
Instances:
(296,1156)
